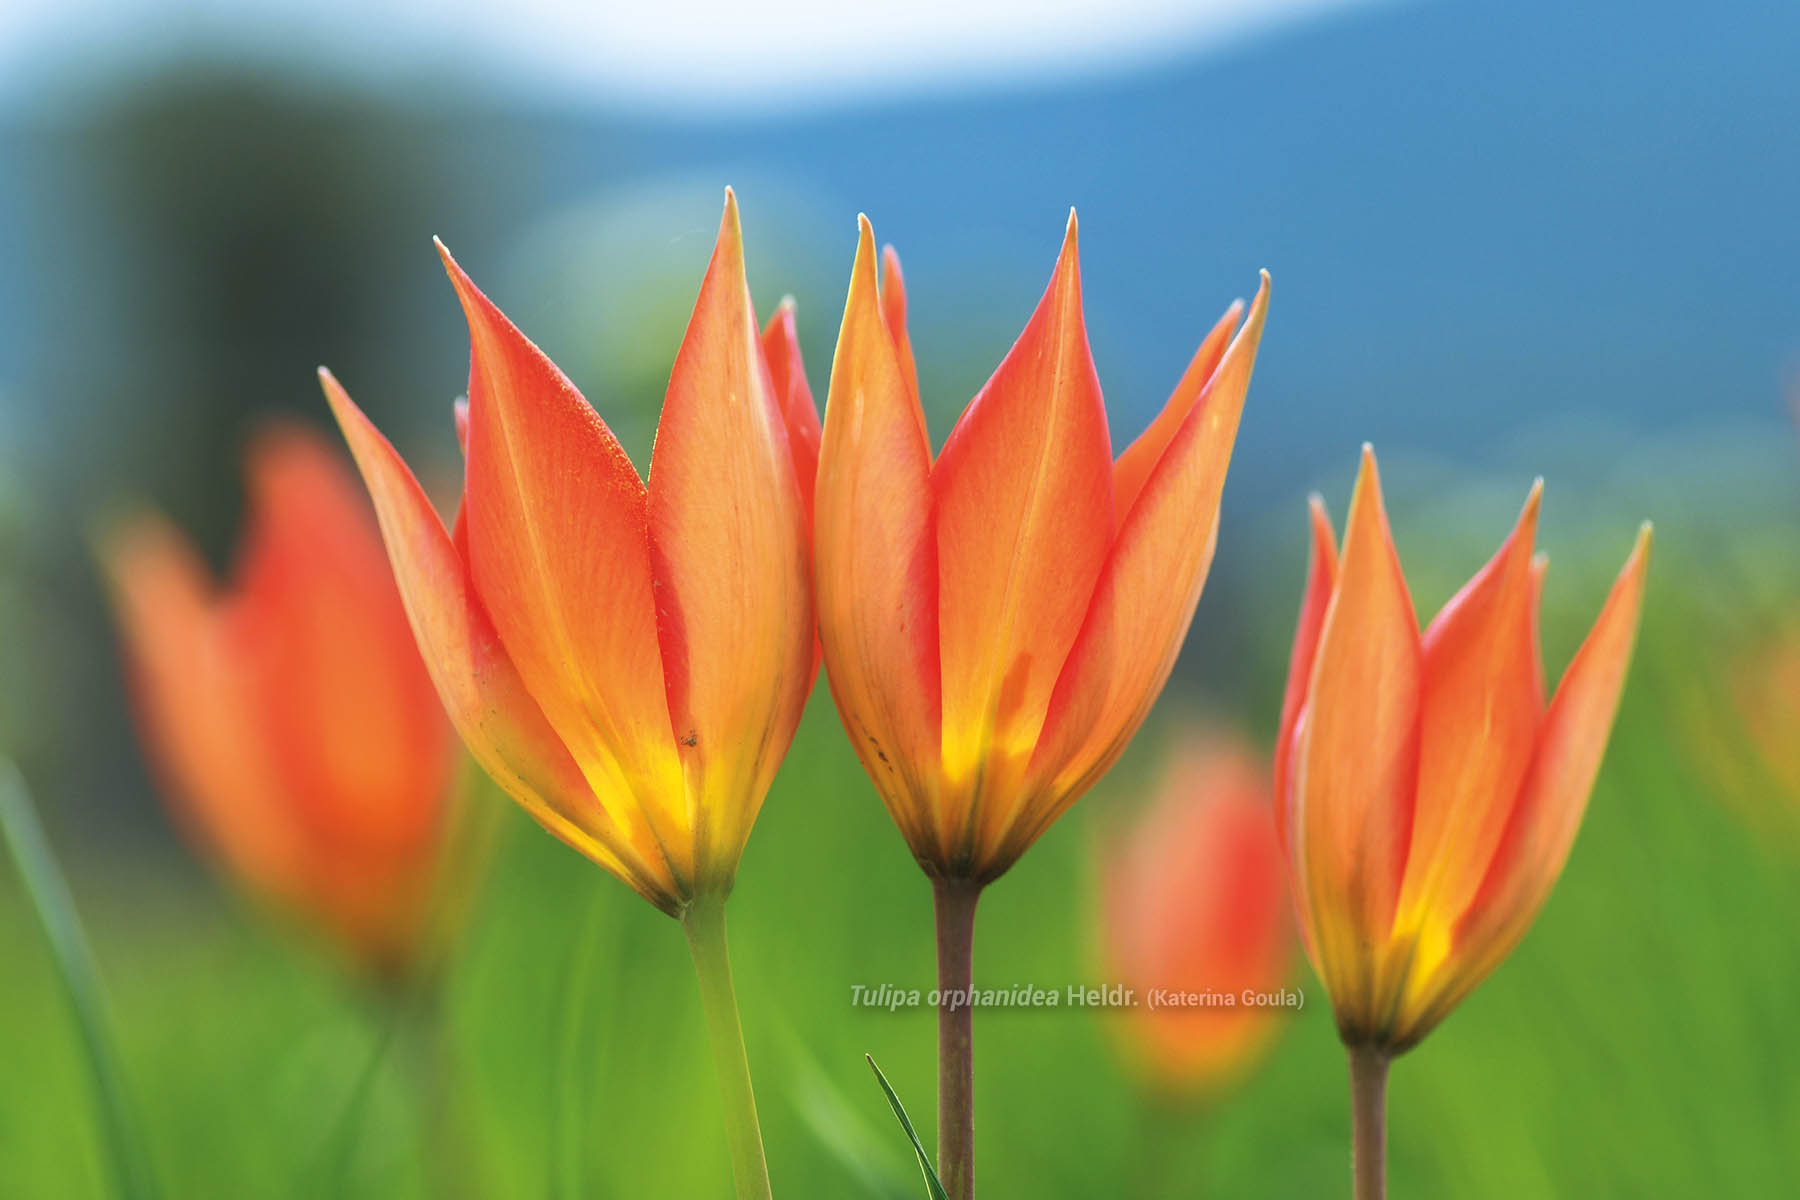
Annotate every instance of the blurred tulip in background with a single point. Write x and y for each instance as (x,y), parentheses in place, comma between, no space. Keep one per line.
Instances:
(1195,907)
(297,734)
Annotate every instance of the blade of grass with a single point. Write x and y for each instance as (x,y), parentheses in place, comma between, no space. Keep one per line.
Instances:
(49,894)
(933,1188)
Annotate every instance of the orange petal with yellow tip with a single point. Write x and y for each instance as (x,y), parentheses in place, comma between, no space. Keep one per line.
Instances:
(559,552)
(729,548)
(480,688)
(1554,797)
(1140,458)
(195,707)
(1321,580)
(1478,723)
(893,311)
(1146,595)
(781,347)
(1357,751)
(875,557)
(1024,524)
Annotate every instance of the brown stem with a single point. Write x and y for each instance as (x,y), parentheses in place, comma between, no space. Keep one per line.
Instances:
(954,901)
(1368,1122)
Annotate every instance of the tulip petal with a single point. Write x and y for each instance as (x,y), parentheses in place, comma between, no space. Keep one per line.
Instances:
(875,559)
(1356,757)
(893,311)
(781,347)
(1542,829)
(1024,523)
(479,687)
(1321,581)
(1145,598)
(559,552)
(348,712)
(195,706)
(1478,724)
(1140,458)
(729,545)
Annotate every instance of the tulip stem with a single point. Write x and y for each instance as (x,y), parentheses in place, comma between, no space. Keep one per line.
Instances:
(954,901)
(704,923)
(1368,1121)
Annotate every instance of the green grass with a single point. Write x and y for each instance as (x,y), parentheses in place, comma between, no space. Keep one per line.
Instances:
(1639,1043)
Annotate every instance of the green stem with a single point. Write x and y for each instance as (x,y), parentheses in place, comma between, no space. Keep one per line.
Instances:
(704,923)
(49,895)
(1368,1122)
(954,901)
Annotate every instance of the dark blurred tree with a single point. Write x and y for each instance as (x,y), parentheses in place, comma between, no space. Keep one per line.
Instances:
(193,246)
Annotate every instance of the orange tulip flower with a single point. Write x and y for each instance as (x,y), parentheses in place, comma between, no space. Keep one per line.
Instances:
(297,730)
(628,661)
(1428,797)
(997,621)
(1195,905)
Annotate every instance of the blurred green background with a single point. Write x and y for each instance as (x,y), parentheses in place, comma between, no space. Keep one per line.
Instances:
(1507,240)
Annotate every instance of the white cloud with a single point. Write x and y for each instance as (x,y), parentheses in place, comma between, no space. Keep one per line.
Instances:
(693,54)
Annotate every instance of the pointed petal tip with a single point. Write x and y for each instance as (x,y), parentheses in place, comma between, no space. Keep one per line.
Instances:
(1367,468)
(1528,515)
(1316,510)
(466,291)
(730,224)
(787,306)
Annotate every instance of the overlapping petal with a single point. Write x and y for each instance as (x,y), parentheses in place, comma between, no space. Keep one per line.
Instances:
(1553,797)
(1356,754)
(1024,524)
(731,563)
(1145,597)
(1478,723)
(496,716)
(559,552)
(876,562)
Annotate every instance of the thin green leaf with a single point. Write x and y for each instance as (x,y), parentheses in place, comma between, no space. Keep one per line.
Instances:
(933,1187)
(48,892)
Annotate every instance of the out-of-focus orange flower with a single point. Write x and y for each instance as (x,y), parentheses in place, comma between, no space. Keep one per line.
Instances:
(1196,906)
(1766,687)
(628,662)
(997,622)
(1427,798)
(297,731)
